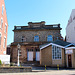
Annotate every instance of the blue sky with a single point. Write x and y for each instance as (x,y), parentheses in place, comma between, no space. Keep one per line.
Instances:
(20,12)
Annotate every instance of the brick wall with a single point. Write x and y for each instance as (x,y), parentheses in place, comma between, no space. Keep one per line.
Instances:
(23,56)
(2,29)
(46,58)
(29,35)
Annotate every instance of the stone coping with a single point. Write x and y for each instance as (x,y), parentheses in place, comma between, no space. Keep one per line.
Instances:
(15,69)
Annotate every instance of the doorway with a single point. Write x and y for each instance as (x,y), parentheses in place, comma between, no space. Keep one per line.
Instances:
(30,56)
(38,56)
(69,61)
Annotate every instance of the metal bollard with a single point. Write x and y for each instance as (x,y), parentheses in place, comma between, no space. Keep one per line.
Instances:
(57,67)
(45,67)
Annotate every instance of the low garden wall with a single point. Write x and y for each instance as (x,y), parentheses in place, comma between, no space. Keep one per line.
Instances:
(15,69)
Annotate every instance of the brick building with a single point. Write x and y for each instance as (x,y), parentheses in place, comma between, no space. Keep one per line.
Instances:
(57,53)
(30,38)
(3,28)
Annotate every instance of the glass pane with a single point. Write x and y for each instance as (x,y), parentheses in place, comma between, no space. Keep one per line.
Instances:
(36,38)
(49,38)
(2,9)
(53,56)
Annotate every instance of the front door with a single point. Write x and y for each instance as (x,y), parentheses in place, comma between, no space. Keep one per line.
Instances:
(37,55)
(69,61)
(30,56)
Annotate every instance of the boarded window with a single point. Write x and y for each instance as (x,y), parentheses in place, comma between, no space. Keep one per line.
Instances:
(23,39)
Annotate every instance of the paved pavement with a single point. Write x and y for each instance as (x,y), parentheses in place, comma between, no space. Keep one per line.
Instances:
(43,72)
(43,68)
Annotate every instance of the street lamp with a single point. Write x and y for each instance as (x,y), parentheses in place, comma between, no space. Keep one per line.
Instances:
(18,46)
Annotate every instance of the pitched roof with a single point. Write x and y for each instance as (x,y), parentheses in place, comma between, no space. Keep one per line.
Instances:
(44,45)
(62,43)
(59,43)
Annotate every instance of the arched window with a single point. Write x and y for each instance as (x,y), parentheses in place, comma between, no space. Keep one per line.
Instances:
(23,39)
(49,38)
(36,38)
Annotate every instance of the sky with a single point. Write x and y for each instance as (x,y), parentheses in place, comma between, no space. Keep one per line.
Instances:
(20,12)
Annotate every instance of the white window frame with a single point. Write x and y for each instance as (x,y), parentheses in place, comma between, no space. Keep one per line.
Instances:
(5,28)
(1,35)
(1,23)
(2,9)
(49,38)
(18,27)
(36,39)
(56,53)
(4,42)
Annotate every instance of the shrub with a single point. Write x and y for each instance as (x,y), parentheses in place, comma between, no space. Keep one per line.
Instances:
(3,64)
(0,63)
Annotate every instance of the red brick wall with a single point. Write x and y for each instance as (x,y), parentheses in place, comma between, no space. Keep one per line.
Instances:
(23,57)
(3,34)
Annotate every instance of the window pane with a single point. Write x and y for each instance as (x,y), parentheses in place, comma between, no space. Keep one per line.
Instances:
(0,39)
(5,28)
(4,42)
(1,23)
(23,39)
(56,52)
(49,38)
(23,36)
(2,9)
(36,38)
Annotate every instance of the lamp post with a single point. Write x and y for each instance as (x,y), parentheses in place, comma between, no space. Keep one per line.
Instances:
(18,63)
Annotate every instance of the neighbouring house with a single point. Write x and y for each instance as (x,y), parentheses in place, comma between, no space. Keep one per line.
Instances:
(30,38)
(70,29)
(8,50)
(57,53)
(3,34)
(3,28)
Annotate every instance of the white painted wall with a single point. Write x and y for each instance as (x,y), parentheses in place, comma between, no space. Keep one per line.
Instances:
(70,29)
(5,59)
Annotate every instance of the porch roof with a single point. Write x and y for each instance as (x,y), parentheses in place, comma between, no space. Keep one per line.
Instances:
(58,43)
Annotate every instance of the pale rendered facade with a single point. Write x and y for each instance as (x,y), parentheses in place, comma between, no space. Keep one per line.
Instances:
(70,29)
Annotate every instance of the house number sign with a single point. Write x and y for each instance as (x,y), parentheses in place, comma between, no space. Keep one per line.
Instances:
(69,51)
